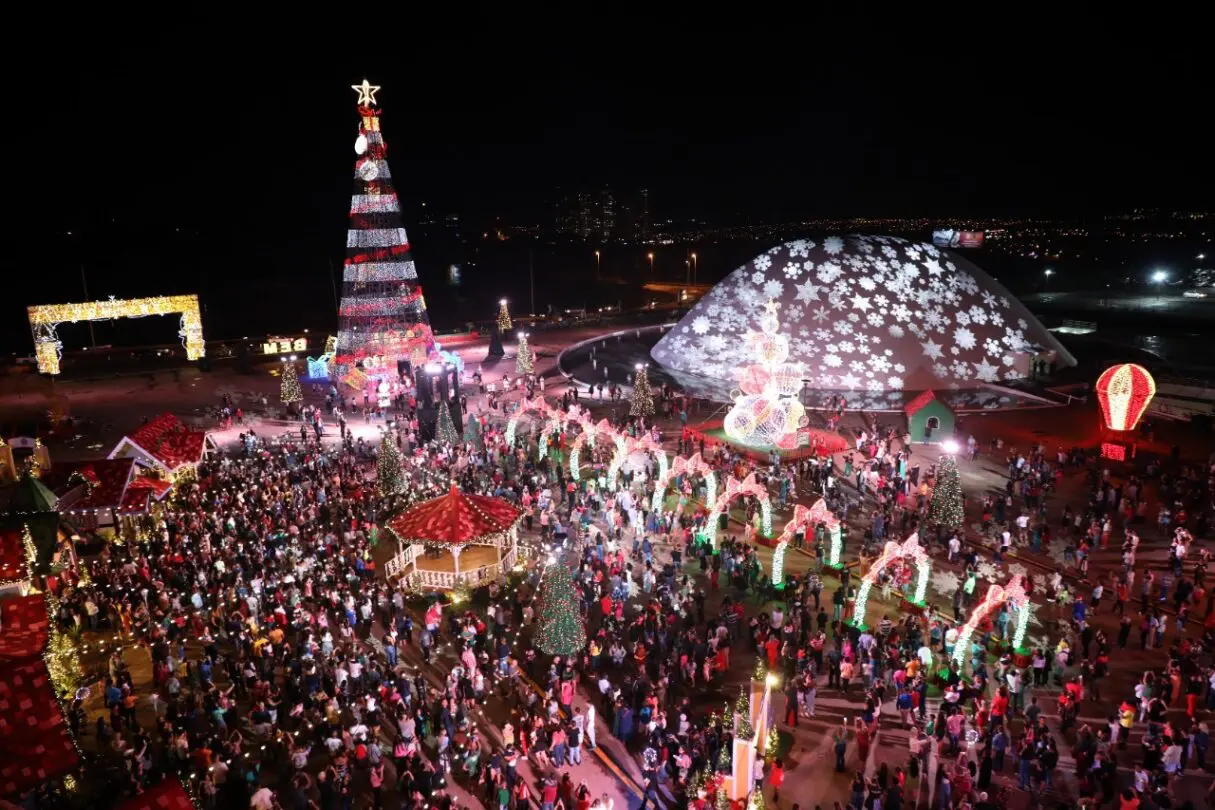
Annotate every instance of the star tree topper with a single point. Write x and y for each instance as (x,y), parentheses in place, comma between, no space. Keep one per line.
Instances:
(366,92)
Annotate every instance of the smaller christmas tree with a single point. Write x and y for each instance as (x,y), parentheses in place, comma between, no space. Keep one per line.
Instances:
(560,631)
(524,359)
(290,390)
(445,428)
(389,476)
(495,343)
(504,322)
(643,398)
(946,506)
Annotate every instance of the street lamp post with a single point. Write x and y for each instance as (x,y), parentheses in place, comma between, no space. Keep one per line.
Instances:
(1159,277)
(1048,273)
(693,268)
(650,256)
(597,260)
(687,264)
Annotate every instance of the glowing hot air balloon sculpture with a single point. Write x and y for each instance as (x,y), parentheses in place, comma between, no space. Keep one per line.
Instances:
(1124,392)
(766,412)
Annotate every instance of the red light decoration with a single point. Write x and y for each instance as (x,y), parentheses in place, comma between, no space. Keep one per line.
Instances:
(1124,392)
(1113,451)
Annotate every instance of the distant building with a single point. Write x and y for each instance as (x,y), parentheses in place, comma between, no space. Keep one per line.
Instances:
(603,216)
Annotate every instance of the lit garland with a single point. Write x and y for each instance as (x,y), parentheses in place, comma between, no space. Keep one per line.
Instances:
(369,272)
(45,319)
(575,453)
(374,204)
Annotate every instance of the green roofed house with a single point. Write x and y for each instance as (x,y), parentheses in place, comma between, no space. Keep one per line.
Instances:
(929,420)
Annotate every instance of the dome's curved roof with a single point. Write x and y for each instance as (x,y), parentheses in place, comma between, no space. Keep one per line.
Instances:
(864,313)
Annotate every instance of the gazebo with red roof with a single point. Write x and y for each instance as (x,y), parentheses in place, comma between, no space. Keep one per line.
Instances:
(455,539)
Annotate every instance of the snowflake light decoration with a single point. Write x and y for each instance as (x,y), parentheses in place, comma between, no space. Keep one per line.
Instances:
(766,412)
(945,321)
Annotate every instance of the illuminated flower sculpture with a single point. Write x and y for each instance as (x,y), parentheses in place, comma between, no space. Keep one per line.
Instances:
(766,412)
(1125,391)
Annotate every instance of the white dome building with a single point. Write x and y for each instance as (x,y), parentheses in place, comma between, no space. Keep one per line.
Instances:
(874,315)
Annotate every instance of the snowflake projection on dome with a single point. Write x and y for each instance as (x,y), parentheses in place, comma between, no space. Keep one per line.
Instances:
(900,315)
(766,412)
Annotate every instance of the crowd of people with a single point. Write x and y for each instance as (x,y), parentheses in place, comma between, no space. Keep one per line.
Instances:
(286,670)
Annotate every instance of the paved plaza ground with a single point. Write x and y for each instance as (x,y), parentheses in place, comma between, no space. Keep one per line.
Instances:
(110,408)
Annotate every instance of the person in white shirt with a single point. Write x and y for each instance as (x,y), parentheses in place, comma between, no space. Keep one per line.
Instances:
(262,800)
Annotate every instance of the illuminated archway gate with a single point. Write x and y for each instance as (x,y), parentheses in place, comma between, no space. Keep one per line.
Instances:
(626,446)
(45,320)
(1015,594)
(804,518)
(693,465)
(737,489)
(909,548)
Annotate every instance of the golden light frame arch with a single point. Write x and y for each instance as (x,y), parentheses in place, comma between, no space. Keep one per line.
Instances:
(45,320)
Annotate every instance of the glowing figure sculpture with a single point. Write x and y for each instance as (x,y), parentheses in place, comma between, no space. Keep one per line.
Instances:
(766,413)
(1124,392)
(382,317)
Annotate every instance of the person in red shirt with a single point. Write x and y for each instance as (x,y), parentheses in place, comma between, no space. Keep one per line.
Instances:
(776,778)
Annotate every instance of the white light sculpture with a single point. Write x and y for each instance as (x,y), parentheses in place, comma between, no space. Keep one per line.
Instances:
(766,412)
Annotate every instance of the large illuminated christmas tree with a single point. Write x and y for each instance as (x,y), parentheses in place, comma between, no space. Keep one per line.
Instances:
(946,506)
(382,318)
(560,631)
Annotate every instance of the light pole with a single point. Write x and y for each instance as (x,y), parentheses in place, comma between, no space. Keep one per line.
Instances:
(687,263)
(693,268)
(1159,277)
(1048,273)
(650,256)
(597,262)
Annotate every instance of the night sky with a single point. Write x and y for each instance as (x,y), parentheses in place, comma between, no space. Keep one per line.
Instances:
(253,162)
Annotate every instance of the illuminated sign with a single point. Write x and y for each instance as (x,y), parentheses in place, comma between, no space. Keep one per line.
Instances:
(276,345)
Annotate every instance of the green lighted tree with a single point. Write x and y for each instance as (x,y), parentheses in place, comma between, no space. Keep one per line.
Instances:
(389,477)
(290,390)
(643,398)
(946,506)
(560,631)
(524,358)
(445,428)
